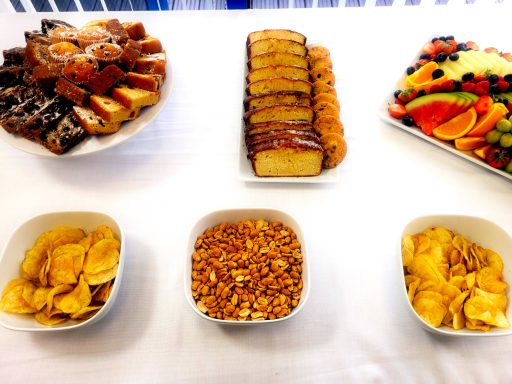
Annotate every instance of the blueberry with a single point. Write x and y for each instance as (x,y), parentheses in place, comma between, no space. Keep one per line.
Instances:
(493,79)
(408,121)
(494,89)
(454,56)
(441,57)
(397,93)
(421,92)
(457,84)
(442,38)
(424,56)
(462,47)
(468,76)
(434,39)
(437,73)
(410,70)
(508,78)
(509,89)
(450,37)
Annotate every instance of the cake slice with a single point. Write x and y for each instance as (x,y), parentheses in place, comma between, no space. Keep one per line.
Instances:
(101,82)
(271,71)
(277,58)
(286,158)
(132,98)
(277,84)
(64,136)
(10,76)
(253,140)
(153,64)
(275,45)
(254,129)
(110,110)
(94,124)
(276,34)
(148,82)
(282,97)
(280,112)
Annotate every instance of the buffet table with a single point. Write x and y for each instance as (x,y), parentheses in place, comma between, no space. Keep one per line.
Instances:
(355,326)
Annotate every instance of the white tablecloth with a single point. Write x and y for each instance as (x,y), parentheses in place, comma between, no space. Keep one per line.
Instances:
(355,326)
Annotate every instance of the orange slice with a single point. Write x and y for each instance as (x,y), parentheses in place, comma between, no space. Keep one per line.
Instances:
(469,143)
(457,127)
(488,121)
(422,78)
(482,151)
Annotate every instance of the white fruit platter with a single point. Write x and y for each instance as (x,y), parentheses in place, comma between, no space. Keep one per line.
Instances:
(453,69)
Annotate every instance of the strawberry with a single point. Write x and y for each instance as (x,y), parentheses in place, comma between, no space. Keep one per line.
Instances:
(497,157)
(483,104)
(447,86)
(435,88)
(448,46)
(482,88)
(507,56)
(472,45)
(407,95)
(468,86)
(429,48)
(491,50)
(502,85)
(480,77)
(397,111)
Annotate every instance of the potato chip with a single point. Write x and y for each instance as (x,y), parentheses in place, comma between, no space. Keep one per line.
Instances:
(102,292)
(76,299)
(453,281)
(483,309)
(430,310)
(54,318)
(102,256)
(64,288)
(63,234)
(498,299)
(58,273)
(101,277)
(86,312)
(407,250)
(477,325)
(36,256)
(489,279)
(13,301)
(62,267)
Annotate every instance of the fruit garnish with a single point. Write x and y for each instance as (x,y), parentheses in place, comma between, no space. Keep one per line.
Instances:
(488,121)
(482,151)
(483,104)
(422,78)
(456,127)
(497,157)
(397,111)
(469,143)
(432,110)
(407,95)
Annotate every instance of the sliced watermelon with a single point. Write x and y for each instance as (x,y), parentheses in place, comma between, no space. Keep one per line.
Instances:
(432,110)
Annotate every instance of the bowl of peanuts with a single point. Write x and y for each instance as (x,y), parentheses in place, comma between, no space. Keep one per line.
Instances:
(247,266)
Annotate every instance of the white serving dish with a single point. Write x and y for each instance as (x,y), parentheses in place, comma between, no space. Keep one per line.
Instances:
(478,230)
(467,155)
(92,143)
(232,216)
(245,171)
(24,237)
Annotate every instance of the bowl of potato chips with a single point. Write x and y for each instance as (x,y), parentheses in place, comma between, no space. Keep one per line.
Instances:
(60,271)
(456,275)
(246,267)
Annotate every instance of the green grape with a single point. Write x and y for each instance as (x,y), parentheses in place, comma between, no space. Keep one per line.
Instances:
(508,167)
(506,140)
(504,125)
(492,137)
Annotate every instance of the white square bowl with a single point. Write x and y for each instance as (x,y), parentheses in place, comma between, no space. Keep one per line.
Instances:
(232,216)
(24,237)
(480,231)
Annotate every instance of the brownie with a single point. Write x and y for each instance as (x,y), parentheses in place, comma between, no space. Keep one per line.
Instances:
(46,75)
(72,92)
(14,56)
(102,81)
(117,31)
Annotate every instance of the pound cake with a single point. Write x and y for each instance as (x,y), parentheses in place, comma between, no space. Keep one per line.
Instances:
(67,83)
(292,124)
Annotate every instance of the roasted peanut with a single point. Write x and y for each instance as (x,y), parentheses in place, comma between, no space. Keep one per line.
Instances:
(247,271)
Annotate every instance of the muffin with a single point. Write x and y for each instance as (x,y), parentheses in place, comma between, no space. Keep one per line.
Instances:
(62,51)
(59,34)
(105,53)
(80,68)
(91,34)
